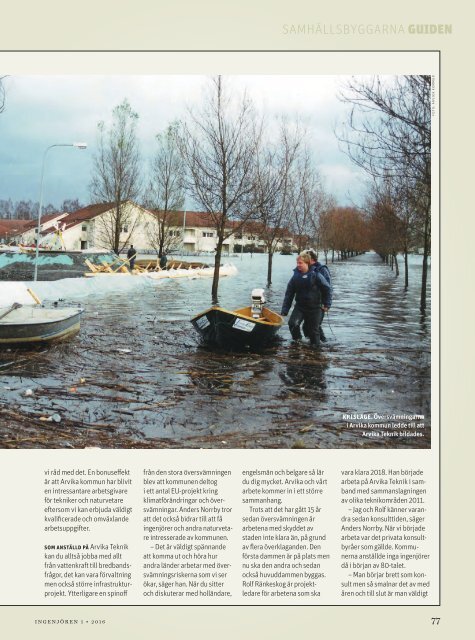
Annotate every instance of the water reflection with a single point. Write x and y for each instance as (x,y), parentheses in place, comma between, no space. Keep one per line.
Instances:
(138,364)
(218,370)
(305,371)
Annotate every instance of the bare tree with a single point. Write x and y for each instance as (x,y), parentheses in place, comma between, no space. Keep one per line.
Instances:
(116,177)
(273,179)
(26,210)
(390,207)
(345,231)
(7,209)
(322,202)
(307,199)
(387,230)
(166,192)
(389,135)
(70,205)
(218,147)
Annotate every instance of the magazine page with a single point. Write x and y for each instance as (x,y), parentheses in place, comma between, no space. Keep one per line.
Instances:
(221,326)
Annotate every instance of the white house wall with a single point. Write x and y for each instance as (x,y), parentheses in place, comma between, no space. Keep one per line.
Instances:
(195,239)
(138,231)
(72,238)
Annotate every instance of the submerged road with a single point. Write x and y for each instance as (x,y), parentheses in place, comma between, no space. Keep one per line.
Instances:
(136,375)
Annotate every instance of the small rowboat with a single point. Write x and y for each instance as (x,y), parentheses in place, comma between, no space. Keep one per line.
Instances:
(253,327)
(32,324)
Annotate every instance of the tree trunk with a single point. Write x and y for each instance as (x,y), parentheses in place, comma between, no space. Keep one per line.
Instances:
(117,229)
(425,262)
(217,262)
(269,268)
(406,269)
(396,264)
(161,239)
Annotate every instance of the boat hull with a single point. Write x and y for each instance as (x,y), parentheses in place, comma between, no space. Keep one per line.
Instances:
(37,326)
(237,330)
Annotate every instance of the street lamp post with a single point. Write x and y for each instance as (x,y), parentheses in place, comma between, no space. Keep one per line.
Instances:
(78,145)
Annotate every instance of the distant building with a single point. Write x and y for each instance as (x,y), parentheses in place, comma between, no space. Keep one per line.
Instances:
(198,233)
(90,228)
(10,230)
(26,232)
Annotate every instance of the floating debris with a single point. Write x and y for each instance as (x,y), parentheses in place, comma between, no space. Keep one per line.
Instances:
(174,393)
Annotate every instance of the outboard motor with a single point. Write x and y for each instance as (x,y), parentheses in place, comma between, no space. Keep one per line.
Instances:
(258,300)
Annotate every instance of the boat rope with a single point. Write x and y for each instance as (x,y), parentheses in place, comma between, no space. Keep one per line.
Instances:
(327,313)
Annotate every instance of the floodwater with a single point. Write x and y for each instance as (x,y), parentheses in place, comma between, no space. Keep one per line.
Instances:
(137,376)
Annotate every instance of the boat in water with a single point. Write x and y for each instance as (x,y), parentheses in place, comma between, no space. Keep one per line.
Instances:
(33,324)
(254,327)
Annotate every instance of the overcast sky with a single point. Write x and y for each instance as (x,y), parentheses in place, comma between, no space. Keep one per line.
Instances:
(45,110)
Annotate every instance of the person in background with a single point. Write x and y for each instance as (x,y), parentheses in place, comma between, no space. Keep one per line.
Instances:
(163,261)
(327,300)
(131,255)
(309,288)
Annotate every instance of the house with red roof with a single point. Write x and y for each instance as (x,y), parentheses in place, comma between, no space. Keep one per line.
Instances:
(198,232)
(25,234)
(88,228)
(91,228)
(11,229)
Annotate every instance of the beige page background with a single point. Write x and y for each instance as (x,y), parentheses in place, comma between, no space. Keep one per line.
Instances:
(208,24)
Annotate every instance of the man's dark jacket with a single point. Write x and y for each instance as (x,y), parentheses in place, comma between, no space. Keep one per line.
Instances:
(310,290)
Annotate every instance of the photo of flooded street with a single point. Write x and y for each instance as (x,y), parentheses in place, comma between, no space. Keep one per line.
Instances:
(137,376)
(200,223)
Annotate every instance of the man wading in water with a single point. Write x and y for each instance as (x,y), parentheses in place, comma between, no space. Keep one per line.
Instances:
(311,292)
(325,272)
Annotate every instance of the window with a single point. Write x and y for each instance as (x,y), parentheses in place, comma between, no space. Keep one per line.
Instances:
(208,234)
(84,227)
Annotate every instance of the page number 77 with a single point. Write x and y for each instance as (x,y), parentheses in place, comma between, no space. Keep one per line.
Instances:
(435,621)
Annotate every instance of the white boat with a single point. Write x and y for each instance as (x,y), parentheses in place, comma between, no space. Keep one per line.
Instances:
(30,324)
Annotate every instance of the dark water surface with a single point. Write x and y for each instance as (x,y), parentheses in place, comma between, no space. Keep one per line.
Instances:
(137,376)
